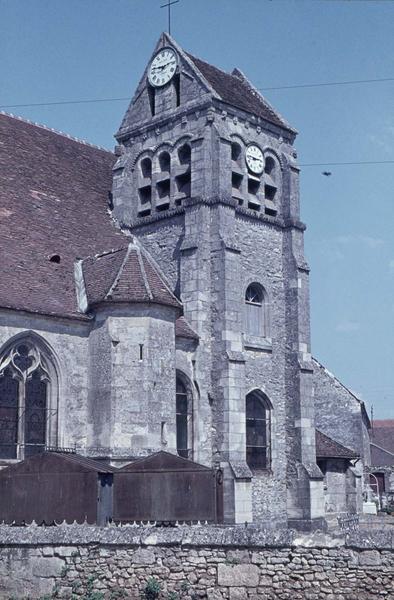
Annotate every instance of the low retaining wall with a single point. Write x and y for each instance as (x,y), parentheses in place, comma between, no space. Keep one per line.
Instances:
(191,562)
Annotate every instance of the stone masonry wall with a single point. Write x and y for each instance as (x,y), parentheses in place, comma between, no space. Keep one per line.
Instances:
(191,562)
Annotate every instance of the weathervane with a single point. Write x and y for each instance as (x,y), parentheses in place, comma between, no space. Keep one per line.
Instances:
(168,5)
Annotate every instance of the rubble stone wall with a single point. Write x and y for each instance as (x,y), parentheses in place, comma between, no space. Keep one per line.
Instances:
(215,563)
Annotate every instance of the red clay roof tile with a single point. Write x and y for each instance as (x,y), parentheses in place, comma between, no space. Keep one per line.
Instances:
(53,202)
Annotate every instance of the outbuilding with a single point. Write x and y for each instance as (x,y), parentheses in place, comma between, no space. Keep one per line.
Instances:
(164,487)
(52,487)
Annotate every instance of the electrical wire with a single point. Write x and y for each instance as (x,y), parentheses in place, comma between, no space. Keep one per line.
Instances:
(125,98)
(338,164)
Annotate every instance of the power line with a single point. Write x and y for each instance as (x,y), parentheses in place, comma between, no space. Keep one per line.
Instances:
(312,85)
(60,102)
(125,98)
(337,164)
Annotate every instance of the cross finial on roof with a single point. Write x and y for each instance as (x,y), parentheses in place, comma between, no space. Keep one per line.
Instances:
(168,5)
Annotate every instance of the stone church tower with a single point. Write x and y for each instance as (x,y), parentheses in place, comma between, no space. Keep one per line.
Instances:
(206,180)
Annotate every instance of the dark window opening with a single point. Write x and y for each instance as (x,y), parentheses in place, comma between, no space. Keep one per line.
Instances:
(146,168)
(55,258)
(183,183)
(165,162)
(185,154)
(163,192)
(110,201)
(9,394)
(236,181)
(177,87)
(35,414)
(141,351)
(152,99)
(272,212)
(257,431)
(253,186)
(236,152)
(163,189)
(145,195)
(182,418)
(269,192)
(269,166)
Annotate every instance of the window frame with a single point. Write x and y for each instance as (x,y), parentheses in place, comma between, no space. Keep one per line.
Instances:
(40,362)
(186,385)
(266,449)
(259,314)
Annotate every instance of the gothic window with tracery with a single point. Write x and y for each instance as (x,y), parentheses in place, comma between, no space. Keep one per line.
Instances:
(258,430)
(25,419)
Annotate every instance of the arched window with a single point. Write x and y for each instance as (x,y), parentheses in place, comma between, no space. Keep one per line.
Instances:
(27,417)
(183,179)
(258,430)
(183,419)
(165,162)
(255,318)
(146,167)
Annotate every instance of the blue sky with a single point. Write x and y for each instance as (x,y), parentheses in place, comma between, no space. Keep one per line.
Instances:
(55,50)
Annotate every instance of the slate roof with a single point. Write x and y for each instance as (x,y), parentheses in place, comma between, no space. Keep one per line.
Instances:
(53,202)
(235,89)
(326,447)
(126,275)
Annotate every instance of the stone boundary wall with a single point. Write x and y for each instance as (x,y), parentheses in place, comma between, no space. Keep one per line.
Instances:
(192,562)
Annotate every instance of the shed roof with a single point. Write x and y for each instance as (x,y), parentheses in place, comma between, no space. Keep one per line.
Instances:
(183,329)
(55,462)
(163,461)
(326,447)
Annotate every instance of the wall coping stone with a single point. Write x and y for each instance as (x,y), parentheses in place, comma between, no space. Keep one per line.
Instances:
(191,535)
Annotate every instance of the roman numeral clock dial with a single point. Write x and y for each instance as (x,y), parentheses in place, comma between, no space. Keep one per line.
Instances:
(163,67)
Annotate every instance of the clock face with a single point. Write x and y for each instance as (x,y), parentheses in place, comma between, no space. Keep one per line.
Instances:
(162,67)
(254,159)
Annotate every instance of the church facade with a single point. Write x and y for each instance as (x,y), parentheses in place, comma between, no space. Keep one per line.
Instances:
(158,299)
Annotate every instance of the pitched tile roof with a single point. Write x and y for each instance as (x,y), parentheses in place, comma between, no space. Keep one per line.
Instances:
(326,447)
(126,275)
(53,203)
(382,434)
(377,423)
(235,89)
(183,329)
(381,457)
